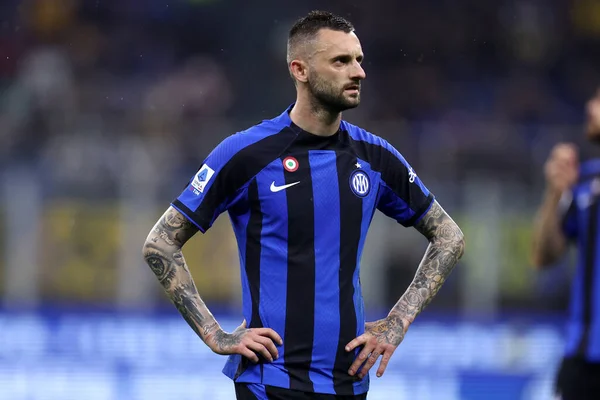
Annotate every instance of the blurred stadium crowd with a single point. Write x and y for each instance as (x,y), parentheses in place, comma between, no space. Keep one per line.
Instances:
(108,107)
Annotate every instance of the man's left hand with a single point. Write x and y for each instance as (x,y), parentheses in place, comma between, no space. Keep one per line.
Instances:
(381,338)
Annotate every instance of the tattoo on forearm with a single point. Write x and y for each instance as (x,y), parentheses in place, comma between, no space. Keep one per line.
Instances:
(190,306)
(208,328)
(445,249)
(163,254)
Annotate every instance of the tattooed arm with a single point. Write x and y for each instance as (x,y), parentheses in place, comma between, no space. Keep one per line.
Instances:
(446,247)
(163,253)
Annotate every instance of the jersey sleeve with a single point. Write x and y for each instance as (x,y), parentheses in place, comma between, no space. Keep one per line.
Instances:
(567,211)
(402,194)
(215,186)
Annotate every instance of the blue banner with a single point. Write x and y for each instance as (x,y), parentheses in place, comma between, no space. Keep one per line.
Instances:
(114,356)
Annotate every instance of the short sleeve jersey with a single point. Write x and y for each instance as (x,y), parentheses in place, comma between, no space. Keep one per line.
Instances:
(300,206)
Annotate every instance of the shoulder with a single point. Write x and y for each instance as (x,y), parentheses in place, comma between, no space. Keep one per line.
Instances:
(359,134)
(246,142)
(373,144)
(256,133)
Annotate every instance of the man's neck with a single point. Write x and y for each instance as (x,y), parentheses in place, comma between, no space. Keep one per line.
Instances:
(313,119)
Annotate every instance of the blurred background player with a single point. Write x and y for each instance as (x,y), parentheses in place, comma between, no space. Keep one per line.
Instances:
(569,215)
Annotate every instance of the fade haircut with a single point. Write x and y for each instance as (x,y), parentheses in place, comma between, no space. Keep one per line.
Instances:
(306,29)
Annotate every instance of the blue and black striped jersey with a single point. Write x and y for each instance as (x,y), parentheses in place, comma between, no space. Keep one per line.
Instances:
(300,206)
(579,208)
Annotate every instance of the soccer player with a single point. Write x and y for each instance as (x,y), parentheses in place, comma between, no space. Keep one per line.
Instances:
(569,214)
(301,190)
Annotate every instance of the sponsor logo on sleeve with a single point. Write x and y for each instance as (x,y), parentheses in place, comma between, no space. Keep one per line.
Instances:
(201,179)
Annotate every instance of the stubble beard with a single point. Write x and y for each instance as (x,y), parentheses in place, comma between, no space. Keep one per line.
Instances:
(327,99)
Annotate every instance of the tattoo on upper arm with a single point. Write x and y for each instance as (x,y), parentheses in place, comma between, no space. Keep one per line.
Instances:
(175,228)
(436,223)
(445,249)
(162,250)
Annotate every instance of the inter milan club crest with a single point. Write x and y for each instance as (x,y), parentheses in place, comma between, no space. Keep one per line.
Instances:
(290,164)
(360,183)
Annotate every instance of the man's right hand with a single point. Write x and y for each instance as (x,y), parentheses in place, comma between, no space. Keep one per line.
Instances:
(248,342)
(562,167)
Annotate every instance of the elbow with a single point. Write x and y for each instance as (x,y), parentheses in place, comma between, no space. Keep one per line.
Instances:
(157,259)
(148,250)
(149,245)
(451,239)
(145,249)
(152,248)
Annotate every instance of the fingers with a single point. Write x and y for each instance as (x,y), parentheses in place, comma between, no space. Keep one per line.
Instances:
(359,341)
(260,341)
(268,332)
(371,360)
(259,348)
(368,356)
(560,171)
(269,345)
(384,363)
(564,155)
(249,354)
(561,168)
(566,151)
(368,348)
(368,360)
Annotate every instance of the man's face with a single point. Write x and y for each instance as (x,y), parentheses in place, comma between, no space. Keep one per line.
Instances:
(335,71)
(593,118)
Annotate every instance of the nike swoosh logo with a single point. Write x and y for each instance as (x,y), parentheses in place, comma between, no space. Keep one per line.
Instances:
(282,187)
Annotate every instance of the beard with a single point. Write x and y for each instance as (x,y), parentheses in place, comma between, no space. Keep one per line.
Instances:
(328,97)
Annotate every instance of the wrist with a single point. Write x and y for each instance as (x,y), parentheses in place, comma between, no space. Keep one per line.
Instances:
(553,194)
(402,320)
(210,328)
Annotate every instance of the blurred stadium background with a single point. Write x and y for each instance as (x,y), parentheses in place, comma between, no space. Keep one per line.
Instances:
(108,107)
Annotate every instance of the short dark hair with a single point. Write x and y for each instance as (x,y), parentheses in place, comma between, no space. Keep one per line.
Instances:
(308,26)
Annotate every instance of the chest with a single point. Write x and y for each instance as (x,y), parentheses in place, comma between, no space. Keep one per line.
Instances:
(316,184)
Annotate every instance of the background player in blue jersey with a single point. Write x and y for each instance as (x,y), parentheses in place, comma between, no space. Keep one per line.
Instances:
(301,190)
(569,214)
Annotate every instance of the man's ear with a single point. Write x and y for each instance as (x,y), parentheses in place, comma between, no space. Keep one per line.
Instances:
(299,70)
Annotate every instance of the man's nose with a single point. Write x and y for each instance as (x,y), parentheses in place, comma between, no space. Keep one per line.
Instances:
(358,72)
